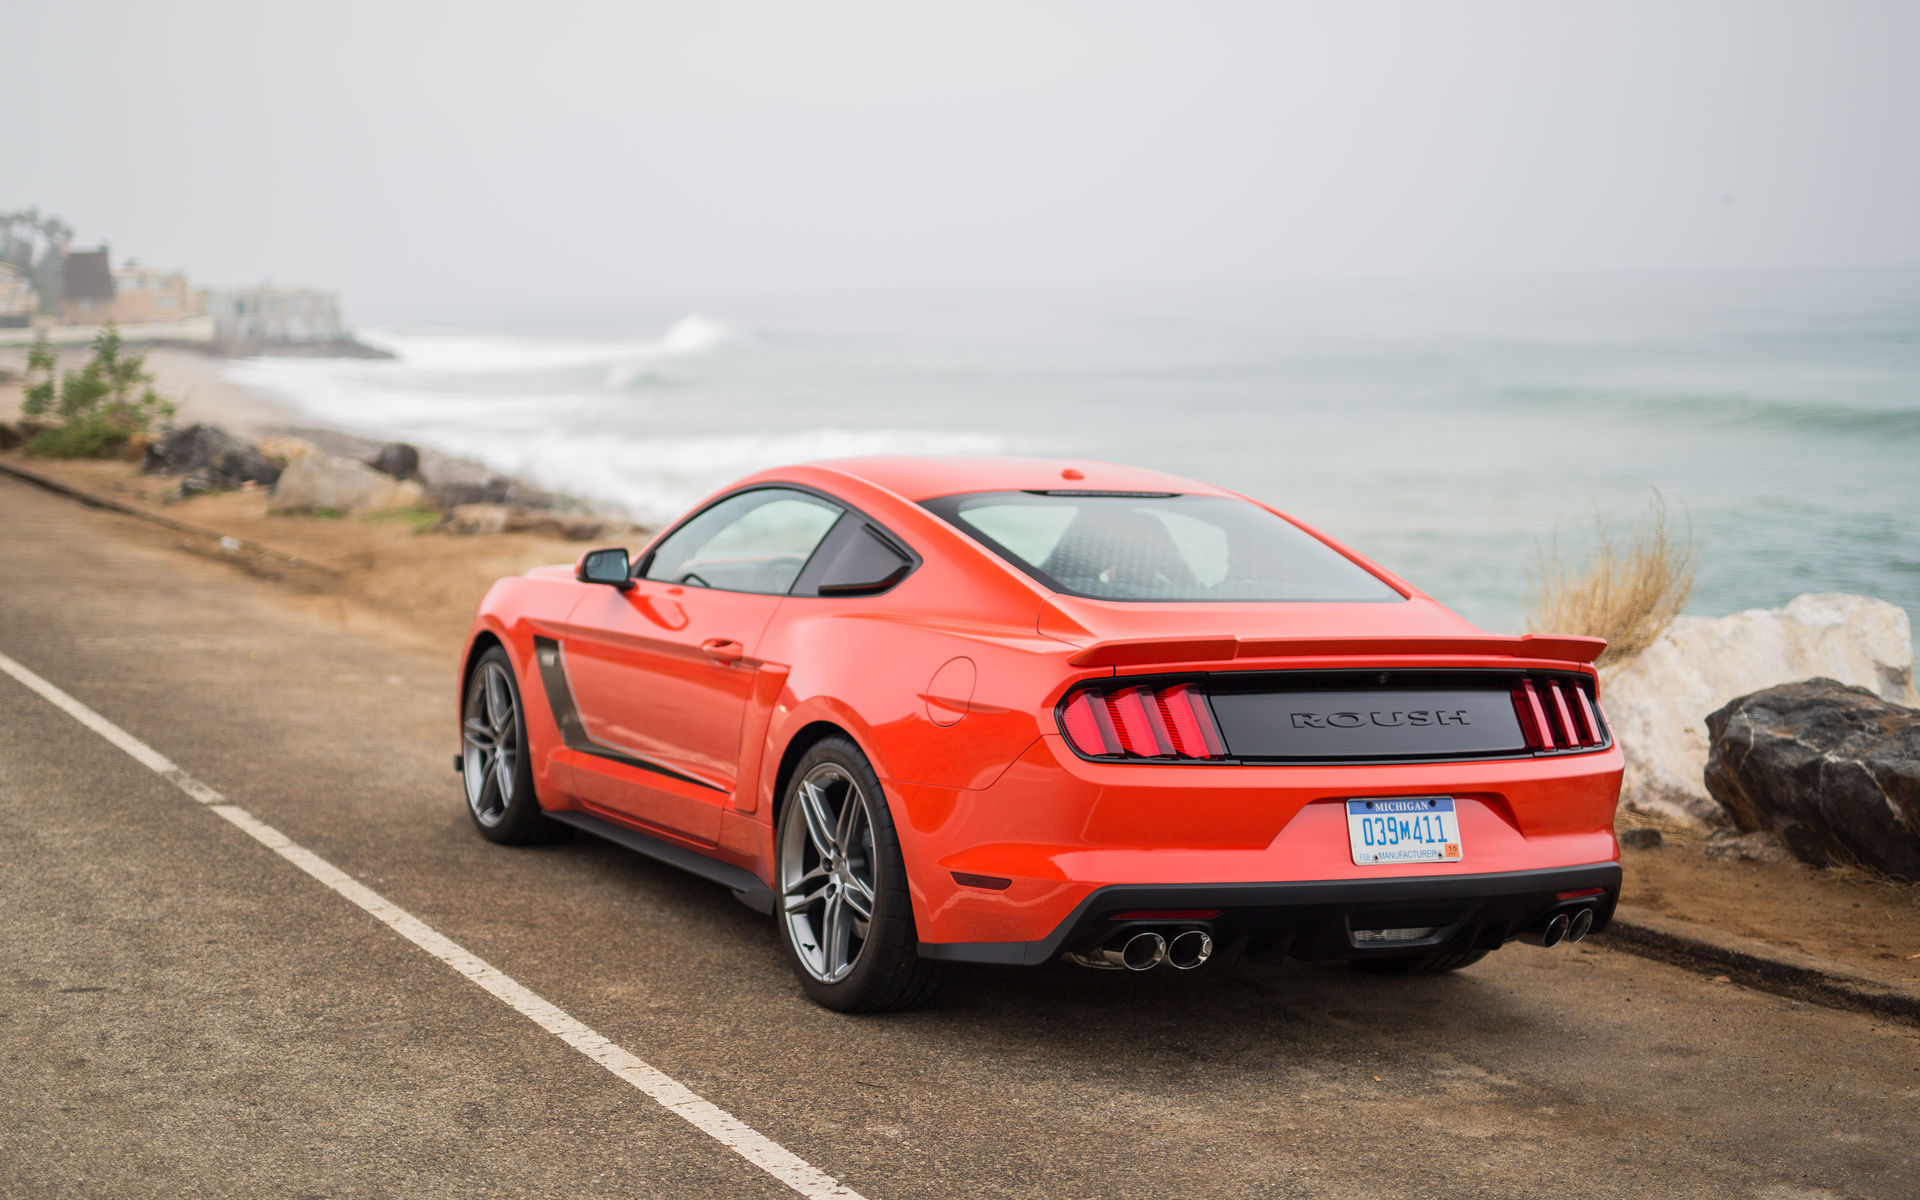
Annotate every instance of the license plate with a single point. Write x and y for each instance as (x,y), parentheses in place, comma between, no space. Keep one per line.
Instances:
(1403,829)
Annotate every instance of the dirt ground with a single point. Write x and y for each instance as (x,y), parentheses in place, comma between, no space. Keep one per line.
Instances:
(1841,914)
(426,579)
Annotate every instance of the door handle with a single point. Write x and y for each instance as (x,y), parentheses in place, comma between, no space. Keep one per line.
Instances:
(723,650)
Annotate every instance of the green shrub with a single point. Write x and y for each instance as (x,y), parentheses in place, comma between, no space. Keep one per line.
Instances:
(96,435)
(418,519)
(101,405)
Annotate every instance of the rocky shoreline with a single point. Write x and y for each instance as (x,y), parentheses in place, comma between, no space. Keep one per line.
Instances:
(329,472)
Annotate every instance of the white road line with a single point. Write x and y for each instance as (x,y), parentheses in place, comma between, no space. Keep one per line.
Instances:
(718,1124)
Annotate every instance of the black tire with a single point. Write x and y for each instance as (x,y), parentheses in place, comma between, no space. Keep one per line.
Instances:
(496,773)
(885,973)
(1433,962)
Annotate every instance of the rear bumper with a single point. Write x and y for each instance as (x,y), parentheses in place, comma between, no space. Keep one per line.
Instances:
(1315,919)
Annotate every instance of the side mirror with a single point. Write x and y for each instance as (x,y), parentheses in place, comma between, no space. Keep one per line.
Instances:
(608,566)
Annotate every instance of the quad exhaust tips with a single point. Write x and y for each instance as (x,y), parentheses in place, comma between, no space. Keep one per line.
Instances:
(1145,950)
(1189,949)
(1560,927)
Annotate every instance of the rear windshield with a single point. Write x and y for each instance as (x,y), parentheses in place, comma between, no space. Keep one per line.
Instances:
(1120,546)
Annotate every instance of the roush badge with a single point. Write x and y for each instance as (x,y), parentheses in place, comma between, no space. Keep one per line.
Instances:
(1386,720)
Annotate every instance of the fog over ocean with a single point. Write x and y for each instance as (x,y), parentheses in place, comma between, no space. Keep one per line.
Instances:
(1449,428)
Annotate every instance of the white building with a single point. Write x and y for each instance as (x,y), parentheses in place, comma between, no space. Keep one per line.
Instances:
(17,298)
(269,314)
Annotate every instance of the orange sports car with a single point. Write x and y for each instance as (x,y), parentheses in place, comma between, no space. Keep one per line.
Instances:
(996,710)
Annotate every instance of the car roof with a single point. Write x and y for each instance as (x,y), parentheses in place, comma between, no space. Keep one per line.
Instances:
(923,477)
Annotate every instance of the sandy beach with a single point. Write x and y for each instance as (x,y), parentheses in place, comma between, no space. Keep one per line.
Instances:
(382,563)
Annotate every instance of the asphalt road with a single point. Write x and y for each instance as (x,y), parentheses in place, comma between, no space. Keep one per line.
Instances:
(182,1013)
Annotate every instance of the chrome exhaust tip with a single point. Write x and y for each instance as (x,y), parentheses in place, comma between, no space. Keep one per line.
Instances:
(1143,952)
(1189,949)
(1551,933)
(1581,925)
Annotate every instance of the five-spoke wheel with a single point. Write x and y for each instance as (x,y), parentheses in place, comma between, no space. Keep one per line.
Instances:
(491,744)
(826,873)
(493,755)
(845,917)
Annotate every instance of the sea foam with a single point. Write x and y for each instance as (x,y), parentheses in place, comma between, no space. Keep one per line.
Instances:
(553,412)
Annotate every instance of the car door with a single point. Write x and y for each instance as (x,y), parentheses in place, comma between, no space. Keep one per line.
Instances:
(661,673)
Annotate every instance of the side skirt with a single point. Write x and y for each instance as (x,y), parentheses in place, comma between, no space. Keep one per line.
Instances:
(746,886)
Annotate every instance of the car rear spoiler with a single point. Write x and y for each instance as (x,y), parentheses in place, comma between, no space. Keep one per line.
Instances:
(1135,652)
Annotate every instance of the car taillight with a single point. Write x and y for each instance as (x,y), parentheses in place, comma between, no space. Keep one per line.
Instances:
(1557,714)
(1142,721)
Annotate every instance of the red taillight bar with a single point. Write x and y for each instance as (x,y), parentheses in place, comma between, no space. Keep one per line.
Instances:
(1556,714)
(1142,721)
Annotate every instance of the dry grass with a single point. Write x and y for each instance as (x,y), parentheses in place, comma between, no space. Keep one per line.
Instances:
(1629,587)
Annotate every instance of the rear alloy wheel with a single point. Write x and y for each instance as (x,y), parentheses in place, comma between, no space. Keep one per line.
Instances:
(494,764)
(846,920)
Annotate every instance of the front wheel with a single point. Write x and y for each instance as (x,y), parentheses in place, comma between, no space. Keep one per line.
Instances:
(495,767)
(846,920)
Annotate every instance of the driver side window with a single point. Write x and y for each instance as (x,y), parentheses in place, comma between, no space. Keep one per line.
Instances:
(754,542)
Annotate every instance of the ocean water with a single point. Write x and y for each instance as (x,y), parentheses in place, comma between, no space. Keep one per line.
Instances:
(1454,429)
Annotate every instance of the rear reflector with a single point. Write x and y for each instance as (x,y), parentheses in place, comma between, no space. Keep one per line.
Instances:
(1583,892)
(1557,714)
(992,883)
(1142,721)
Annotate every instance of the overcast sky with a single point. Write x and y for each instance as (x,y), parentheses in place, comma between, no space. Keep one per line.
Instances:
(408,152)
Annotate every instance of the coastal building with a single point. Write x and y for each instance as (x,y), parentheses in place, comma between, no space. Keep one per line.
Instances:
(146,305)
(142,294)
(269,315)
(17,298)
(86,284)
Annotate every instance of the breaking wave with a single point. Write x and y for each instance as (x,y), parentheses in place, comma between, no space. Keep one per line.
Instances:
(654,479)
(551,412)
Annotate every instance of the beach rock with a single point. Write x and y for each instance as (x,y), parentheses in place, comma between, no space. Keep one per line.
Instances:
(210,454)
(575,527)
(475,519)
(1640,839)
(1833,770)
(323,483)
(1657,702)
(451,492)
(397,459)
(1761,846)
(506,518)
(284,450)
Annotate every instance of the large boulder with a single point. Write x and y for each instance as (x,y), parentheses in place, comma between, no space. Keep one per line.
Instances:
(210,456)
(1833,770)
(324,483)
(397,459)
(1657,702)
(285,449)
